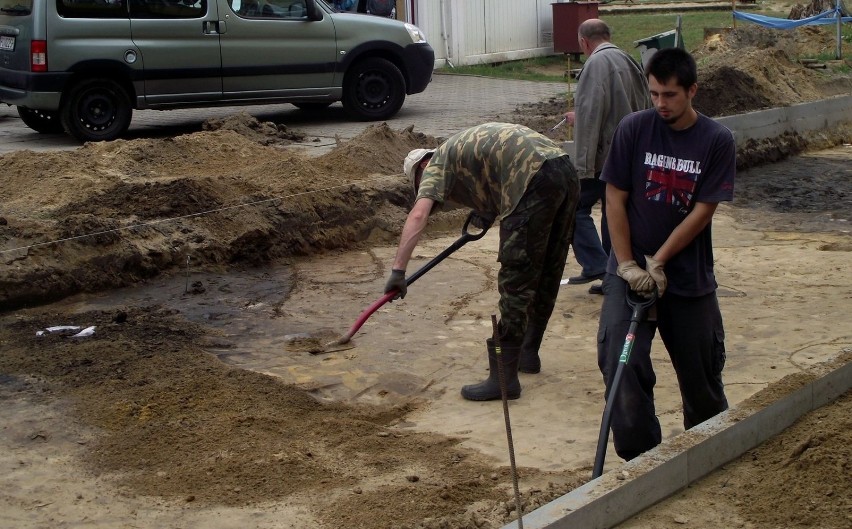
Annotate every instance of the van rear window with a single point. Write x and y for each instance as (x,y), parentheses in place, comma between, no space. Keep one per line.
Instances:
(16,7)
(92,8)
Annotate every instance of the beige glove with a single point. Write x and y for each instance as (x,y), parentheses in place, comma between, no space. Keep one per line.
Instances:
(640,281)
(655,269)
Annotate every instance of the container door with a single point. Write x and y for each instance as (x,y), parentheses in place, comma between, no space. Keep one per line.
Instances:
(271,50)
(179,43)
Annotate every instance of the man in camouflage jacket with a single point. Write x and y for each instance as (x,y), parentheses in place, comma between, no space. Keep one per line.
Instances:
(524,180)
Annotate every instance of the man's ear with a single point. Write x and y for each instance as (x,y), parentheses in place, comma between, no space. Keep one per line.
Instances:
(692,90)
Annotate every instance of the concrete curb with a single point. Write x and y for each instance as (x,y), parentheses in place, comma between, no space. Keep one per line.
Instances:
(668,468)
(801,118)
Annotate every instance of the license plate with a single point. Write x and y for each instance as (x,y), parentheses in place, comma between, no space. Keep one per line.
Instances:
(7,43)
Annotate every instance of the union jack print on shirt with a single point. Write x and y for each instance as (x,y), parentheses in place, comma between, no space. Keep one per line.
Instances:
(670,186)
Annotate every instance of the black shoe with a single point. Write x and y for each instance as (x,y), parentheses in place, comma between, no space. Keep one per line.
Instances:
(596,289)
(581,279)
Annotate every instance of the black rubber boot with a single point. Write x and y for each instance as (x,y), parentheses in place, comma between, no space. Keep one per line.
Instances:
(530,361)
(489,389)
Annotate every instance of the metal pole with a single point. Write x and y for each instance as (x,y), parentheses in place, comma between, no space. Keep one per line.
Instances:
(501,376)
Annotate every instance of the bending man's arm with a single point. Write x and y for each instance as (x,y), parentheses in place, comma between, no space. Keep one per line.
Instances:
(416,222)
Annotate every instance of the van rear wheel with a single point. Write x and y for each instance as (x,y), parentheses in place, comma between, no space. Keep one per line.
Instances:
(373,89)
(96,110)
(41,121)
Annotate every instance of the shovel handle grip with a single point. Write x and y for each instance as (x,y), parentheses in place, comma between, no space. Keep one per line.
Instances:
(640,304)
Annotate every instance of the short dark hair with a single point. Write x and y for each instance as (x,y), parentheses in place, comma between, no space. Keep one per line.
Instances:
(673,62)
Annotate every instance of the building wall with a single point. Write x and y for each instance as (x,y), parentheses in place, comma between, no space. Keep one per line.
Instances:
(465,32)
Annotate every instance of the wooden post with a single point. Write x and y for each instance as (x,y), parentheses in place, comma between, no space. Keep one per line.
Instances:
(839,16)
(734,8)
(569,128)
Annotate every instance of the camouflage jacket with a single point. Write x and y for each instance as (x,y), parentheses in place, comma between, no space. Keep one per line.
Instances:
(487,167)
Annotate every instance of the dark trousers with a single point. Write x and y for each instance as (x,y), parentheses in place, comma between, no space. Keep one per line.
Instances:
(534,242)
(691,329)
(590,249)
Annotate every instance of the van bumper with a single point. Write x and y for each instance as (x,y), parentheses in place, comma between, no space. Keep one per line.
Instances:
(419,61)
(42,91)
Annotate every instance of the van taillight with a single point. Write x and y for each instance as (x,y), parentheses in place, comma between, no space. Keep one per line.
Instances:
(39,55)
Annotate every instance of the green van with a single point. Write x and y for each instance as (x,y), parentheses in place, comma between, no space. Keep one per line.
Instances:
(83,65)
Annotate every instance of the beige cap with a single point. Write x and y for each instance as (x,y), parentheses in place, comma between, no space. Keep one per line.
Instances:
(409,166)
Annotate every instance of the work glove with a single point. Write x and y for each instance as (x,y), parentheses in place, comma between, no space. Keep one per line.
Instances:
(640,281)
(655,269)
(396,281)
(481,220)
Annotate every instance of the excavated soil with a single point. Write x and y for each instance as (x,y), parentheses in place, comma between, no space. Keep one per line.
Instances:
(143,408)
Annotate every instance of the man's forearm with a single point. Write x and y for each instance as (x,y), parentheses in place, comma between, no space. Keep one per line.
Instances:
(619,228)
(414,226)
(686,231)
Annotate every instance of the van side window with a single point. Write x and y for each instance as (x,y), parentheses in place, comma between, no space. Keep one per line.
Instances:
(269,8)
(92,8)
(168,8)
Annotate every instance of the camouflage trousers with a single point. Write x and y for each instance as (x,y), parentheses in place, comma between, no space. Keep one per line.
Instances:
(534,241)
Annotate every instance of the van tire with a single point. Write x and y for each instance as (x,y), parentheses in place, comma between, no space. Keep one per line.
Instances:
(41,121)
(373,89)
(96,110)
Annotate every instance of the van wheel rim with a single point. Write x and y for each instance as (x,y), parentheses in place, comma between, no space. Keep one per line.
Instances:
(375,90)
(97,111)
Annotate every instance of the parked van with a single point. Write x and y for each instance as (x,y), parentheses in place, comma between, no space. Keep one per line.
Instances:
(83,65)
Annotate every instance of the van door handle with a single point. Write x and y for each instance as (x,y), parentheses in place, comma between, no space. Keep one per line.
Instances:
(213,27)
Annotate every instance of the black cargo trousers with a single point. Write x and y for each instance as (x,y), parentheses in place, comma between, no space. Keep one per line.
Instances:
(691,330)
(534,242)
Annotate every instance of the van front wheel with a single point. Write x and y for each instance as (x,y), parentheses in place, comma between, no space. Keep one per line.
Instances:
(373,89)
(96,110)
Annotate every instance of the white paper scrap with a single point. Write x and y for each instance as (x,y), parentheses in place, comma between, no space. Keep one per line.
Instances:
(88,331)
(58,328)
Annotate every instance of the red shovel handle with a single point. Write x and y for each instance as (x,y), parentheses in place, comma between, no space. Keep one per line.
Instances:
(366,314)
(465,237)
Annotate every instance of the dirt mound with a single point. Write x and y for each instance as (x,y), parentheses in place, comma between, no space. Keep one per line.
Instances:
(142,207)
(266,132)
(755,68)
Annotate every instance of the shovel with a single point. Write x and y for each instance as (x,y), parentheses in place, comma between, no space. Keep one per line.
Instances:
(640,306)
(464,239)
